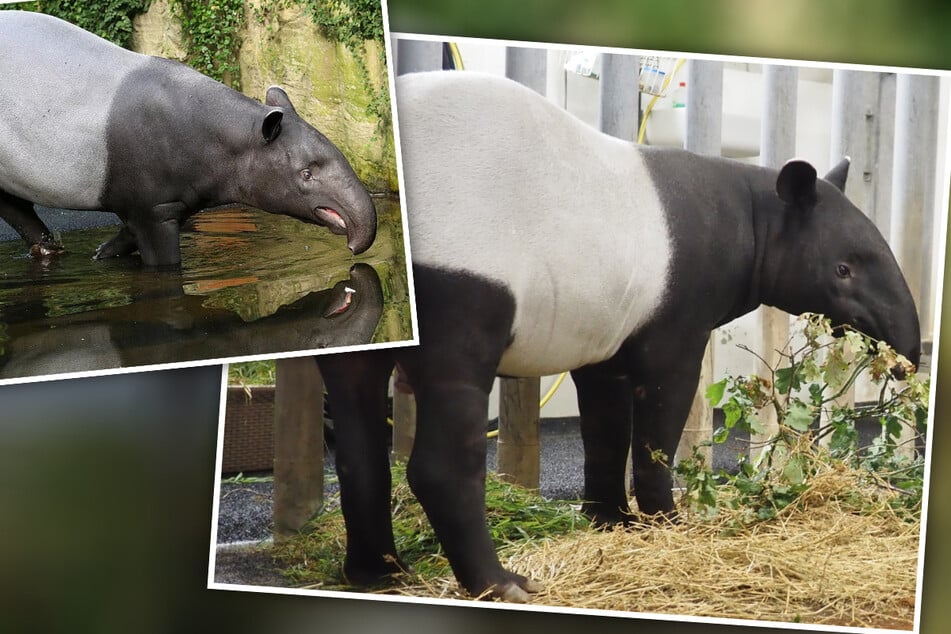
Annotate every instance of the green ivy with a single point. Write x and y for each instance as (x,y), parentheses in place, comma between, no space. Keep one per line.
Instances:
(212,39)
(111,19)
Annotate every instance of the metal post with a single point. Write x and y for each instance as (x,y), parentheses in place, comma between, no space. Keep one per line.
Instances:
(415,56)
(518,448)
(619,95)
(527,66)
(404,424)
(704,136)
(777,145)
(298,444)
(913,187)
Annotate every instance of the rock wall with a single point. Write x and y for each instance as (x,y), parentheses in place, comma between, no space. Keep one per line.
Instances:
(321,77)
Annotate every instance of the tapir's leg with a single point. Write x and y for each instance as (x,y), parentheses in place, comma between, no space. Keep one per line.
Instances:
(356,384)
(465,325)
(123,243)
(447,473)
(157,233)
(604,402)
(661,406)
(21,215)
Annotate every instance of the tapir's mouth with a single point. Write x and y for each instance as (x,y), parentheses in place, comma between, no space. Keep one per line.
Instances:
(331,219)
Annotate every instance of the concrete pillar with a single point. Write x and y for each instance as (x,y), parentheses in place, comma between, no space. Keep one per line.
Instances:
(913,187)
(298,444)
(414,56)
(619,95)
(704,136)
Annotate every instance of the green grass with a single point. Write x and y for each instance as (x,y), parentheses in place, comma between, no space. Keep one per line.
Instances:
(251,373)
(515,516)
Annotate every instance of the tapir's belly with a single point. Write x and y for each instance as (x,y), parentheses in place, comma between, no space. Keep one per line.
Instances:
(56,88)
(565,218)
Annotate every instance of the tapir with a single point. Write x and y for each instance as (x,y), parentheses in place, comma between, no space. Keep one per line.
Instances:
(86,124)
(540,245)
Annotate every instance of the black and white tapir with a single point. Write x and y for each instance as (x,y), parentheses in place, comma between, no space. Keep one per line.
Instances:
(85,124)
(541,245)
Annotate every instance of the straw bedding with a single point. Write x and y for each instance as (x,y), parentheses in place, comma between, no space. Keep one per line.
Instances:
(818,562)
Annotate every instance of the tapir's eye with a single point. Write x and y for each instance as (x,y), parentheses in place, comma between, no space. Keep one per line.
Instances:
(306,174)
(843,271)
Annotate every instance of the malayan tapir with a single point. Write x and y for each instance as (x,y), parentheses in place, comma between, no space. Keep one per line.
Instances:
(85,124)
(541,245)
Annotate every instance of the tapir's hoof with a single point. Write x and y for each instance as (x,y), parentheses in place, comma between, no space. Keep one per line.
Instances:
(604,518)
(43,250)
(517,589)
(375,575)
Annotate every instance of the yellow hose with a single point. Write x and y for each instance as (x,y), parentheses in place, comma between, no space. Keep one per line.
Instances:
(650,104)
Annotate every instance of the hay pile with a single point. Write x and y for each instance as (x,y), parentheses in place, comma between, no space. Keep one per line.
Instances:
(820,562)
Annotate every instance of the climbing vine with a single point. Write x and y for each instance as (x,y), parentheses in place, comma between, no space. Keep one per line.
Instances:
(111,19)
(212,40)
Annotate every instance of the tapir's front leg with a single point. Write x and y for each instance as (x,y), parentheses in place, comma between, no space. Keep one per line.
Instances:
(356,384)
(21,215)
(661,405)
(157,233)
(605,405)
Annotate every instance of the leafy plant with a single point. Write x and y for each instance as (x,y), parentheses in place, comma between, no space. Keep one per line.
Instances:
(212,39)
(111,19)
(804,391)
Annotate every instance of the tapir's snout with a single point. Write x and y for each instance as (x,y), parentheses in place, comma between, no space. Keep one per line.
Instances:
(361,223)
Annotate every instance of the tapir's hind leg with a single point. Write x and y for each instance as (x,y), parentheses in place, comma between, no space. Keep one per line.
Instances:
(447,472)
(606,408)
(465,326)
(356,386)
(21,215)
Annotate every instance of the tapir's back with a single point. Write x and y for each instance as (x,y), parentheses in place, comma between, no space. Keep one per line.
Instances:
(503,184)
(57,83)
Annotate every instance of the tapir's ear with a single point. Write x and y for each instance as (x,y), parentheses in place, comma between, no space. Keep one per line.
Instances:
(277,97)
(839,173)
(796,184)
(272,125)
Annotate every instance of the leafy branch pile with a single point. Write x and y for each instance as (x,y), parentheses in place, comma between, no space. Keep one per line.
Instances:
(804,392)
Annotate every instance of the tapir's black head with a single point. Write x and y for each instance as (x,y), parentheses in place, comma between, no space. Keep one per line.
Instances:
(309,178)
(835,261)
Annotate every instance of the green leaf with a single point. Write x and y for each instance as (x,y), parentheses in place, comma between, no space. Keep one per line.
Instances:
(787,379)
(732,410)
(720,435)
(715,392)
(799,416)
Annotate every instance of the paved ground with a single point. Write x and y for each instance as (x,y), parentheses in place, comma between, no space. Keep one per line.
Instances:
(64,220)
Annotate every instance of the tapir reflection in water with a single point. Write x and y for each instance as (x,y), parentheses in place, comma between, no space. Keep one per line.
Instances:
(541,245)
(85,124)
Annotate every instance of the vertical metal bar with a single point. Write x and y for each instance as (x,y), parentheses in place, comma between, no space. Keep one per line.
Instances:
(527,66)
(704,136)
(913,187)
(298,444)
(777,145)
(415,56)
(518,454)
(704,107)
(619,94)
